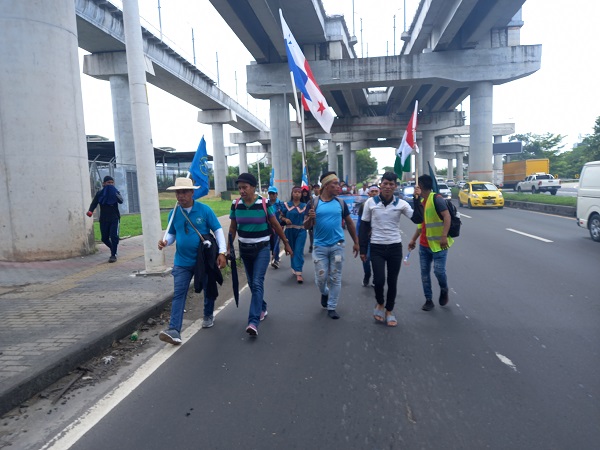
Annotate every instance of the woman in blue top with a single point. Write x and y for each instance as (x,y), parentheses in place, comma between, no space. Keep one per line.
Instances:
(293,214)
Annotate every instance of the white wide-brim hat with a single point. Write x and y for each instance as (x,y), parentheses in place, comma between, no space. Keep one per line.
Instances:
(182,184)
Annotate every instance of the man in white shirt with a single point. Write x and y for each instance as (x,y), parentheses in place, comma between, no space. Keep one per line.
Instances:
(381,218)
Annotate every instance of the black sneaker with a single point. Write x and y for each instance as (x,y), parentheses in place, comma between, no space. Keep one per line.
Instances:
(333,314)
(366,281)
(112,259)
(428,306)
(324,299)
(444,297)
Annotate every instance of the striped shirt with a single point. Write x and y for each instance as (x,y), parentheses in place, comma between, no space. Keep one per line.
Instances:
(252,225)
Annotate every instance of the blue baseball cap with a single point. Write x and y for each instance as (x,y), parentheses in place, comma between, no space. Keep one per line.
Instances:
(272,189)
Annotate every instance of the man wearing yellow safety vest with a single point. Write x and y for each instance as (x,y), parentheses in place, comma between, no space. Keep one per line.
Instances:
(434,241)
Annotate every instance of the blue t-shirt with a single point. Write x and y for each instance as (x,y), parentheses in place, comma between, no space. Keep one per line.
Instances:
(204,219)
(328,229)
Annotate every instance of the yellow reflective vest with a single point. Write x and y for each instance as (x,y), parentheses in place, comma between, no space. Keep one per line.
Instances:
(434,226)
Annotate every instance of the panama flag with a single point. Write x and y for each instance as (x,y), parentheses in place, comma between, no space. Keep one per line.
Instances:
(312,98)
(408,144)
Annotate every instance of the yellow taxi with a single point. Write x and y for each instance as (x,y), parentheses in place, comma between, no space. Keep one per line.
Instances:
(480,194)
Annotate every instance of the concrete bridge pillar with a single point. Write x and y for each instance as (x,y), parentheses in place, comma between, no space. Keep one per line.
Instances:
(113,67)
(497,164)
(45,187)
(480,143)
(217,118)
(459,166)
(450,168)
(332,159)
(347,152)
(352,167)
(281,151)
(243,158)
(428,151)
(219,159)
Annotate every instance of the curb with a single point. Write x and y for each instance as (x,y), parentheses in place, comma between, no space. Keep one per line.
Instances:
(54,370)
(559,210)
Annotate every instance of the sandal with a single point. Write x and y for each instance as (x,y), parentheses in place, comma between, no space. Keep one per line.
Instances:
(379,315)
(390,320)
(299,278)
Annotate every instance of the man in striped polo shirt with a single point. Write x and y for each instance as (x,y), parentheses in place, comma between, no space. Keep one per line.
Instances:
(252,219)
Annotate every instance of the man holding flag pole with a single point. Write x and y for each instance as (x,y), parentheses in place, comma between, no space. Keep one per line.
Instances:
(189,222)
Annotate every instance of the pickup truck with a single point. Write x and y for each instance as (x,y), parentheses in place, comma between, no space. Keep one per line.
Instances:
(539,182)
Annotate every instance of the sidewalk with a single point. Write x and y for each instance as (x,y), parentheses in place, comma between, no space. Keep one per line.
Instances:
(58,314)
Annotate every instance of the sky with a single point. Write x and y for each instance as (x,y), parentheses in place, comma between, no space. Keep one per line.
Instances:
(563,97)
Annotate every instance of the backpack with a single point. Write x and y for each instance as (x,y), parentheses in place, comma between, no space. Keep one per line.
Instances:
(315,202)
(455,221)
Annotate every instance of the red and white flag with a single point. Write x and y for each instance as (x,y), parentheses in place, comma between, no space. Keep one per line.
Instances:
(409,140)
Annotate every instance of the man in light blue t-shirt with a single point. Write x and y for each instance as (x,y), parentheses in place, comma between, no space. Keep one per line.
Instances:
(329,241)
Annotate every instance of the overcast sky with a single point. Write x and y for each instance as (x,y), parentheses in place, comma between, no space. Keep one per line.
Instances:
(563,97)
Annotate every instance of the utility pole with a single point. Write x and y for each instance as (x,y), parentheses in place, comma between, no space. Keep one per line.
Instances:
(159,20)
(218,81)
(394,34)
(193,46)
(362,53)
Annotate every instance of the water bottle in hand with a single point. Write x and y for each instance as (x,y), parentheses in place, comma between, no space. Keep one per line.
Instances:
(405,260)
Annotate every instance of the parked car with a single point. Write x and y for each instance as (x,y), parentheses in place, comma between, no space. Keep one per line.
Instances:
(588,199)
(408,195)
(461,184)
(444,190)
(481,194)
(450,182)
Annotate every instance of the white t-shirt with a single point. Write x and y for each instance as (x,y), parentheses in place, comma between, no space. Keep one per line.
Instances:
(385,220)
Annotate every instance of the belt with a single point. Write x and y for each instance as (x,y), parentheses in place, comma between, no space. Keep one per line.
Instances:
(299,227)
(256,245)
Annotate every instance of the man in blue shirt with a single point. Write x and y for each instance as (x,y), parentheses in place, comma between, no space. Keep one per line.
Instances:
(325,217)
(190,219)
(277,205)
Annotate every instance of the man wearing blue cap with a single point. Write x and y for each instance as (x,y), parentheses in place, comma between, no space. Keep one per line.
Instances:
(277,205)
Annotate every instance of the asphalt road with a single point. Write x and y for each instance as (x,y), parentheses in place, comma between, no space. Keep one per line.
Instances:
(512,362)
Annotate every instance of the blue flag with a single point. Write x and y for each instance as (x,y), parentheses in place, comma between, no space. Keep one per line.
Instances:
(304,177)
(272,179)
(346,180)
(432,175)
(199,170)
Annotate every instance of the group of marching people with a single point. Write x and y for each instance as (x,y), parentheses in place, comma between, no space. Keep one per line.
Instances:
(262,225)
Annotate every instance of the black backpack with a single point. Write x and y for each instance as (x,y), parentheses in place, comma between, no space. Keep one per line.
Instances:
(455,221)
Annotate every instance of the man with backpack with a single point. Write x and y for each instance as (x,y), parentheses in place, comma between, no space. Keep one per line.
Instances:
(325,216)
(434,241)
(252,219)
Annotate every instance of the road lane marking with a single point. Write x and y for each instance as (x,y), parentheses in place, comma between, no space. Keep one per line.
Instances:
(80,426)
(529,235)
(461,215)
(506,361)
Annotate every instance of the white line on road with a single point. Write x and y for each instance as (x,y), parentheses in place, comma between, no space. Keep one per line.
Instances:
(461,215)
(529,235)
(506,361)
(73,432)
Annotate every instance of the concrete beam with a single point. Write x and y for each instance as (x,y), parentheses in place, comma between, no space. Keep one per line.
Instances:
(495,65)
(498,129)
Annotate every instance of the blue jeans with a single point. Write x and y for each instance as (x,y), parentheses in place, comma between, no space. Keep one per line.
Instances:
(329,262)
(439,269)
(275,249)
(255,273)
(297,240)
(182,276)
(367,264)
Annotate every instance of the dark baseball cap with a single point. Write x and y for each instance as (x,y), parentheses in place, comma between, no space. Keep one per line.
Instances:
(247,178)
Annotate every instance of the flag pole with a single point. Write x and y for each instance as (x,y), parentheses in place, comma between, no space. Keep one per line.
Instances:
(300,120)
(170,221)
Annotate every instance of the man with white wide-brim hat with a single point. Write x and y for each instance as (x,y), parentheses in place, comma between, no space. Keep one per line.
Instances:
(189,218)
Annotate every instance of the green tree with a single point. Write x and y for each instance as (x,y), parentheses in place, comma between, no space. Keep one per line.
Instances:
(571,162)
(366,165)
(316,163)
(265,172)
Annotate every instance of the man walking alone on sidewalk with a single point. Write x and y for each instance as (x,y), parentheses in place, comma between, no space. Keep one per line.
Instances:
(325,216)
(190,219)
(109,199)
(434,241)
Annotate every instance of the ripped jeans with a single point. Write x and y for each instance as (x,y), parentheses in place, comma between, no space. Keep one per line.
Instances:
(328,271)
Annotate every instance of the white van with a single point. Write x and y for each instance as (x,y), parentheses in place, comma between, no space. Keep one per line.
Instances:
(588,199)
